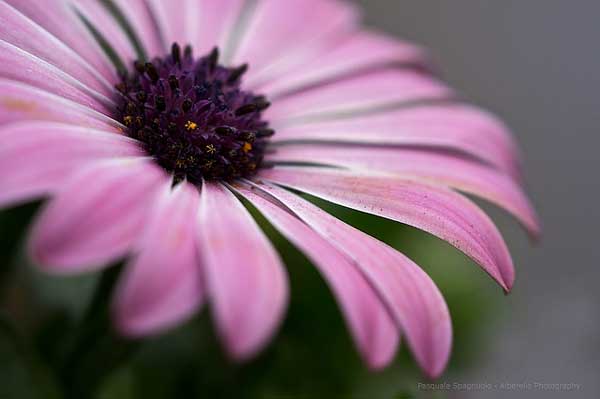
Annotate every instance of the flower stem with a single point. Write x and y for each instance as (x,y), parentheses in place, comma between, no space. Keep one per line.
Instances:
(96,350)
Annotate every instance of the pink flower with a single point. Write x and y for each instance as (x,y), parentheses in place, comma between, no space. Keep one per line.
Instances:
(149,165)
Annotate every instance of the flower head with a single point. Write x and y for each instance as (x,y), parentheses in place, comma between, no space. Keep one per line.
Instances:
(144,124)
(193,117)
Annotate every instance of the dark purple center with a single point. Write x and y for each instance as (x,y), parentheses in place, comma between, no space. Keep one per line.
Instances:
(193,118)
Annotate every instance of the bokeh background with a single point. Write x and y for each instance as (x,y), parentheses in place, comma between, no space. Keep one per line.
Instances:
(536,63)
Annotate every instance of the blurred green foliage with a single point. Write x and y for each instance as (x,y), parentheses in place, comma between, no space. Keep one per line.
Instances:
(312,355)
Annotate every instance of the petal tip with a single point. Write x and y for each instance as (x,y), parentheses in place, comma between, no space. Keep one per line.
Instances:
(508,283)
(435,369)
(54,261)
(239,352)
(377,364)
(433,374)
(536,233)
(123,327)
(131,326)
(242,348)
(46,259)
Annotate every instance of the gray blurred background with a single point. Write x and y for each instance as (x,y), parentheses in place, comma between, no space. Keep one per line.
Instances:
(536,63)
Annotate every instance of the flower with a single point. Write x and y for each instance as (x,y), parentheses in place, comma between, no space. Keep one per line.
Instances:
(144,123)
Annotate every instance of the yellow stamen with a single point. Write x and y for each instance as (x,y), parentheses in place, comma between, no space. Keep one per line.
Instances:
(128,120)
(208,164)
(211,149)
(189,125)
(247,147)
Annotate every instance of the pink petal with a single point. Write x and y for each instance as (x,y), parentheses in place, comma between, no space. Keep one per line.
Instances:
(37,158)
(20,31)
(246,280)
(216,23)
(106,24)
(374,332)
(202,23)
(412,298)
(456,127)
(22,102)
(58,18)
(326,34)
(96,217)
(363,92)
(144,24)
(163,285)
(436,210)
(283,33)
(16,64)
(360,51)
(431,166)
(176,23)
